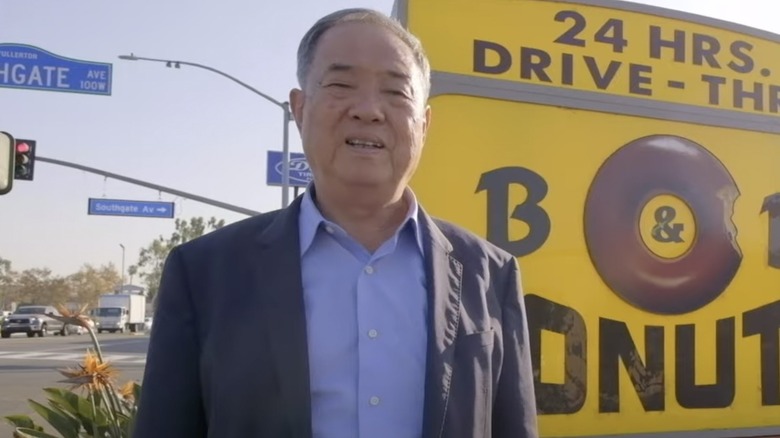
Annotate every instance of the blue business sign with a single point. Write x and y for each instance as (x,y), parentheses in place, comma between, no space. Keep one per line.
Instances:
(32,68)
(300,173)
(121,207)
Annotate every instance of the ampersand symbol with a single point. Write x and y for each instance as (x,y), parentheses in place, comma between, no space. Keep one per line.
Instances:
(617,203)
(664,231)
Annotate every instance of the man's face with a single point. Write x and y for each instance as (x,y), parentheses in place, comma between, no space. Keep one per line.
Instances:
(362,115)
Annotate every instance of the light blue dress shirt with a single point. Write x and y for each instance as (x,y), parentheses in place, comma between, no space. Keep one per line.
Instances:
(366,324)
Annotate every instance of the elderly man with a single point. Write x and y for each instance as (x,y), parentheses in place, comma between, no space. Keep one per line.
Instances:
(351,313)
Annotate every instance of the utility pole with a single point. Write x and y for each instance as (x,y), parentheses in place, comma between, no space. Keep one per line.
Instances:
(285,106)
(123,264)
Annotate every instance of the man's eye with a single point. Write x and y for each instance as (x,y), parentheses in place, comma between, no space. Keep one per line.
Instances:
(338,85)
(399,93)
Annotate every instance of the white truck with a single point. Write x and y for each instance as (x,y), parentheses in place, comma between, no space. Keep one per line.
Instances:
(117,312)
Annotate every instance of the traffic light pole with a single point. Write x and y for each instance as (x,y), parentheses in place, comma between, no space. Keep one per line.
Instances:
(149,185)
(285,106)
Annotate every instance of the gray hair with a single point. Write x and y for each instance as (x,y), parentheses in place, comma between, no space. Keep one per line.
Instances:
(308,45)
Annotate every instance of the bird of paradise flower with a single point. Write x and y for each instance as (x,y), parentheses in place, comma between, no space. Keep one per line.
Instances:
(93,405)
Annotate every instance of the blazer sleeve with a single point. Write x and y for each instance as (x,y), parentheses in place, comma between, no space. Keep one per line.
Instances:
(170,405)
(514,411)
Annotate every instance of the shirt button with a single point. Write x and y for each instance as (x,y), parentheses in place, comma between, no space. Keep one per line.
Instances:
(373,333)
(329,229)
(374,400)
(369,270)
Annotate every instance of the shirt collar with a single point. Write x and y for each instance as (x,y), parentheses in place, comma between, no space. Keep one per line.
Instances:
(311,219)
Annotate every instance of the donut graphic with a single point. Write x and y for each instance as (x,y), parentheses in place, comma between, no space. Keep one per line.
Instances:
(632,215)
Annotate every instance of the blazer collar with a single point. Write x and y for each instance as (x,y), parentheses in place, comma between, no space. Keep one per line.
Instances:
(278,282)
(444,273)
(285,317)
(284,226)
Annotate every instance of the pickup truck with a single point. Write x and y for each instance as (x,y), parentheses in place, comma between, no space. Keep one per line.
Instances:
(33,320)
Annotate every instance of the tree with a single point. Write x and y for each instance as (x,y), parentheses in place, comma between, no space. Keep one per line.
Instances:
(132,270)
(91,282)
(5,270)
(152,258)
(39,286)
(31,286)
(7,282)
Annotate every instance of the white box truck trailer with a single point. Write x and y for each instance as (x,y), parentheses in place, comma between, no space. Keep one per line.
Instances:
(120,312)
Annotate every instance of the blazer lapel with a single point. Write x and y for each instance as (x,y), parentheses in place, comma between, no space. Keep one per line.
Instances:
(444,274)
(283,313)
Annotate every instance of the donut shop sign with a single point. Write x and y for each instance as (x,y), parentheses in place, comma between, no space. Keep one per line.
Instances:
(28,67)
(628,156)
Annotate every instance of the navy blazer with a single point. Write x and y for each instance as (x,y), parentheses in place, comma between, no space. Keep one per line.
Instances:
(228,353)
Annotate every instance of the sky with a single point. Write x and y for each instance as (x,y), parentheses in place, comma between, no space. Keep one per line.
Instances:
(187,129)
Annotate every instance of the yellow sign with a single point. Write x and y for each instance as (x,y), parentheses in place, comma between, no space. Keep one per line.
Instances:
(617,52)
(649,248)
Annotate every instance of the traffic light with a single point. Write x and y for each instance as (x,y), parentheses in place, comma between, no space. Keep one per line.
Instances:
(7,155)
(25,159)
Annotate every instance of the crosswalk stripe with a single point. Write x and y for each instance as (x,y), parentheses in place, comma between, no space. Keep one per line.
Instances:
(70,357)
(28,355)
(116,357)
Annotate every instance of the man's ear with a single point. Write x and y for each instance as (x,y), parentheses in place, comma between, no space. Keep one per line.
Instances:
(297,100)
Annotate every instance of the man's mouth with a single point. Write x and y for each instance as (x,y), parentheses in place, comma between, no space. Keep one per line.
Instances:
(364,144)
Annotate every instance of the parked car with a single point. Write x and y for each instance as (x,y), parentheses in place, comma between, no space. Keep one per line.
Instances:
(72,329)
(32,320)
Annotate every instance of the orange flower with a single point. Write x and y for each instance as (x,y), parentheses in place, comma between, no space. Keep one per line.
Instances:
(92,374)
(77,318)
(128,390)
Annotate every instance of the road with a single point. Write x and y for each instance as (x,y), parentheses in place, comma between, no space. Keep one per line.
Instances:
(27,365)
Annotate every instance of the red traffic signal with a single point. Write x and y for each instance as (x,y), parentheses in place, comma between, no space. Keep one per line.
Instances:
(22,148)
(25,159)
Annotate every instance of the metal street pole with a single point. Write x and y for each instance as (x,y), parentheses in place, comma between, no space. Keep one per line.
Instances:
(123,264)
(148,185)
(285,106)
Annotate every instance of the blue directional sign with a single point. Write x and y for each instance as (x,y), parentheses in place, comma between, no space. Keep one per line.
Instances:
(122,207)
(300,173)
(32,68)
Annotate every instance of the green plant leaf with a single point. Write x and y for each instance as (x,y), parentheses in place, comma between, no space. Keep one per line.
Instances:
(93,420)
(86,413)
(64,399)
(23,432)
(60,420)
(22,421)
(79,407)
(97,396)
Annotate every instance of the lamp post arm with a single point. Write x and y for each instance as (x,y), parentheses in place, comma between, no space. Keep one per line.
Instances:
(285,106)
(214,70)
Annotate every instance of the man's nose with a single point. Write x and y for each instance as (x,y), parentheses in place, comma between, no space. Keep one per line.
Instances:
(367,107)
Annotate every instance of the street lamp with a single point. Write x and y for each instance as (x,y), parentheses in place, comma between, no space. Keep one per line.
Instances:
(285,106)
(123,264)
